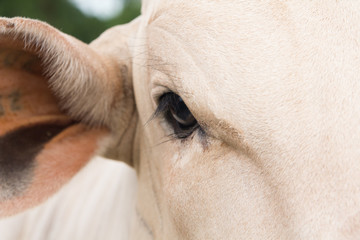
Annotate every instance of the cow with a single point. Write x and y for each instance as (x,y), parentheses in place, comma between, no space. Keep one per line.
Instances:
(241,119)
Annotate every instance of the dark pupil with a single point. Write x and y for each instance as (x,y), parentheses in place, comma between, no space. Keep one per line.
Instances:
(180,112)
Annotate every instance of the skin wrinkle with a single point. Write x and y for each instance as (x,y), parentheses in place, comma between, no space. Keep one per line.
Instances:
(142,220)
(174,73)
(166,69)
(110,152)
(154,190)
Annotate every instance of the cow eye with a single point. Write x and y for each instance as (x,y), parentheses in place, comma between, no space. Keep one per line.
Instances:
(177,114)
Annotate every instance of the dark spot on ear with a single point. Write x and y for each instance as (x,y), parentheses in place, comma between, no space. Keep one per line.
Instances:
(18,59)
(18,150)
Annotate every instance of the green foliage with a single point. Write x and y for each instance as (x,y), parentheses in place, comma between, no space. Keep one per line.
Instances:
(66,17)
(131,10)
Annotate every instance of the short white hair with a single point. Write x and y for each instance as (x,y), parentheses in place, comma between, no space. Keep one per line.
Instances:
(149,8)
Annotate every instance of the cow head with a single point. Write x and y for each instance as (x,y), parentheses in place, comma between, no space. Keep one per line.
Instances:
(241,119)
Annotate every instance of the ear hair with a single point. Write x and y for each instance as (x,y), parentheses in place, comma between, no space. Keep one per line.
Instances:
(78,76)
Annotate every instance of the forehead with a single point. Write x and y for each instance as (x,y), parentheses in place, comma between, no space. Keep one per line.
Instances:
(222,56)
(265,64)
(216,43)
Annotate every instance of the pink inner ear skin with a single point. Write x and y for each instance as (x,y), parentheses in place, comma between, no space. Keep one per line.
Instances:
(59,161)
(25,101)
(24,98)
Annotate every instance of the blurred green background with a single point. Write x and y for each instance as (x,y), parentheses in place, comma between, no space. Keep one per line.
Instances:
(84,19)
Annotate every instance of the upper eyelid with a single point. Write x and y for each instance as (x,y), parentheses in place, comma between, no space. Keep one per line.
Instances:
(157,93)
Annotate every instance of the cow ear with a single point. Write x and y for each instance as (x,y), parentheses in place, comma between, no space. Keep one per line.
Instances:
(52,88)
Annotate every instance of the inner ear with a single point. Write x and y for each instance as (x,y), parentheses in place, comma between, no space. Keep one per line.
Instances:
(25,95)
(52,88)
(42,145)
(16,167)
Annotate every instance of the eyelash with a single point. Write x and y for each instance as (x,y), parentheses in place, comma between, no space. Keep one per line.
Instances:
(170,106)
